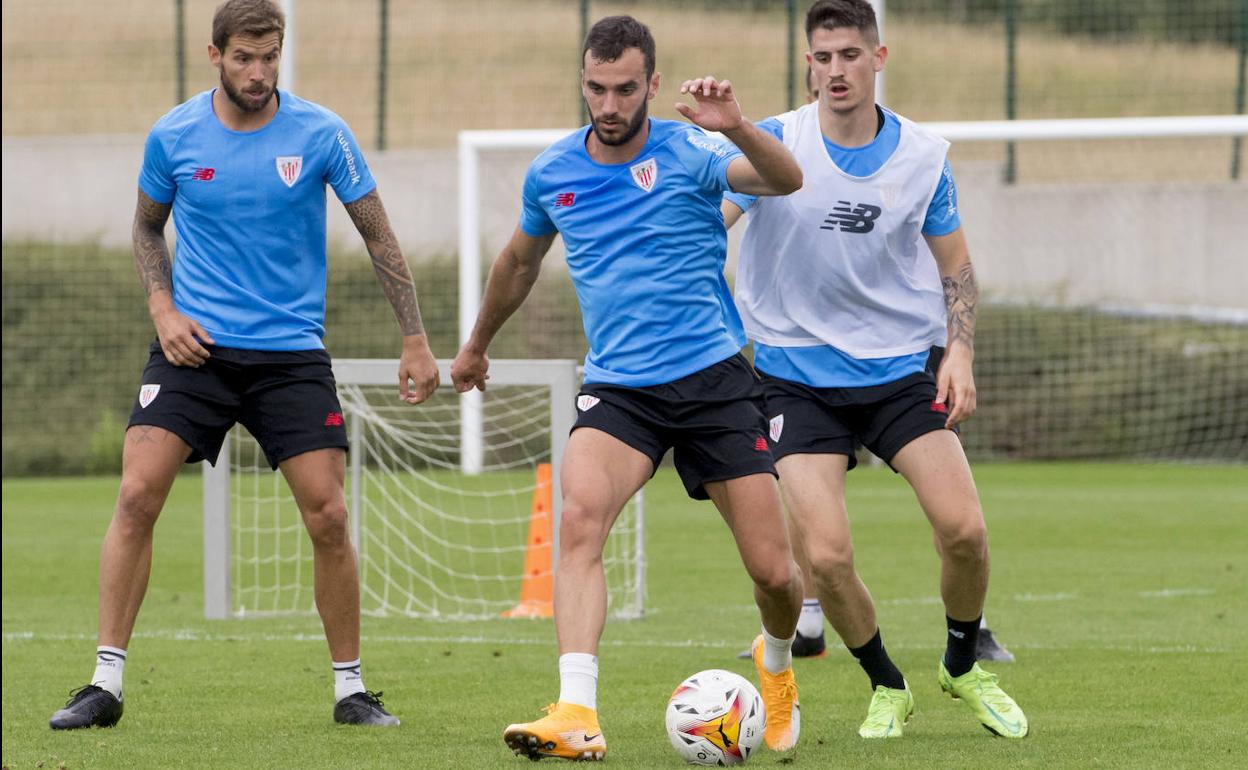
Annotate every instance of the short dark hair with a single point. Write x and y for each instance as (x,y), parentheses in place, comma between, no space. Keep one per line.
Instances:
(254,18)
(834,14)
(611,37)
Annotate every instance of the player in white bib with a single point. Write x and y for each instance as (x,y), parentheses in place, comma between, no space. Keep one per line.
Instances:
(852,288)
(809,641)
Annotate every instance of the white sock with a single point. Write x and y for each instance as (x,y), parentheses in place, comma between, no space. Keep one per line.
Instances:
(983,622)
(777,653)
(578,679)
(347,679)
(110,664)
(810,622)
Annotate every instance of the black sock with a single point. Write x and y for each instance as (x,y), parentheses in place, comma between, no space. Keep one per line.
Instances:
(960,649)
(879,667)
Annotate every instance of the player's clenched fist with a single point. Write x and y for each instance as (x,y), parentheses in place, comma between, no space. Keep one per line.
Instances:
(470,370)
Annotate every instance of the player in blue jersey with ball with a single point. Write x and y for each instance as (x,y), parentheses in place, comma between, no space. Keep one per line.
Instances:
(239,318)
(859,293)
(636,200)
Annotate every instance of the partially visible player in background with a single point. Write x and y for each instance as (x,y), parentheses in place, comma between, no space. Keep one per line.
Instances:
(239,318)
(636,200)
(810,642)
(850,289)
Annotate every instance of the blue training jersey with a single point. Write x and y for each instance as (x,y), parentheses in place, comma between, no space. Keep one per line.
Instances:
(249,211)
(645,247)
(825,366)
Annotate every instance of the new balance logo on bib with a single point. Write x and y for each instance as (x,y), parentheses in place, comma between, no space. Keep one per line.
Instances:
(859,219)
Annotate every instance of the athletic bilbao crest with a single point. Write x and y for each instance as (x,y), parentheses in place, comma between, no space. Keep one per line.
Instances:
(288,168)
(585,402)
(777,427)
(645,174)
(147,394)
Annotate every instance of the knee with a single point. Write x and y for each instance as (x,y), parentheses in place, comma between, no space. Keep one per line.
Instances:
(327,524)
(966,543)
(776,576)
(138,505)
(832,568)
(581,531)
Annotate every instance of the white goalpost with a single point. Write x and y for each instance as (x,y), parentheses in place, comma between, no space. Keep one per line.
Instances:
(433,541)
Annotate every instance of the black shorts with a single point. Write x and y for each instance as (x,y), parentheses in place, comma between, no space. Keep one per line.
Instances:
(712,418)
(883,418)
(287,400)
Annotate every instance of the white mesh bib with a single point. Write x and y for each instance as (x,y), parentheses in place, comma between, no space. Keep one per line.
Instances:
(842,261)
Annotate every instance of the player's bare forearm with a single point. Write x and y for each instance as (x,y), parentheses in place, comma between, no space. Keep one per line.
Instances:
(151,250)
(957,278)
(768,167)
(511,279)
(369,215)
(961,303)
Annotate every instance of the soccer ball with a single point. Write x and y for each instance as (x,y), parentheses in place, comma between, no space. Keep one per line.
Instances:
(715,717)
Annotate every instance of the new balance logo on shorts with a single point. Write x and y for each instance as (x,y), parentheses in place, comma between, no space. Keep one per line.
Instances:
(760,445)
(859,219)
(939,407)
(333,420)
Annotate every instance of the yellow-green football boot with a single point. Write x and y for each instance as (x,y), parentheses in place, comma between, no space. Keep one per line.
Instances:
(888,713)
(978,689)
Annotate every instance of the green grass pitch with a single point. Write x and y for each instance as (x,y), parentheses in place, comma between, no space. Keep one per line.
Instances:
(1122,589)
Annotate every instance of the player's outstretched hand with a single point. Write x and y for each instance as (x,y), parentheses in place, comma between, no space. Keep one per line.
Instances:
(955,384)
(715,104)
(182,339)
(470,370)
(418,370)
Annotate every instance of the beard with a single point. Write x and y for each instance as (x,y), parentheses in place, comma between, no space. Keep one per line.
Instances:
(631,130)
(240,101)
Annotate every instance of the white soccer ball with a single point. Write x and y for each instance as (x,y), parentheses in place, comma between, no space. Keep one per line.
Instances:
(715,717)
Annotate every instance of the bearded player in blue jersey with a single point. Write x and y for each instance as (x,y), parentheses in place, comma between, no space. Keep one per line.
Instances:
(239,318)
(636,200)
(859,294)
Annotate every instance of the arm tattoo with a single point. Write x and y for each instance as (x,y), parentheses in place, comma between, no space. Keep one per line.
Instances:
(961,299)
(151,251)
(369,216)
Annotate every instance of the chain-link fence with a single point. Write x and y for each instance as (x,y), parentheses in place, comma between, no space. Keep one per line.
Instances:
(411,74)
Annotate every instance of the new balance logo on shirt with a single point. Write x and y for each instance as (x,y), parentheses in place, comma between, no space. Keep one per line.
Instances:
(202,174)
(860,219)
(565,199)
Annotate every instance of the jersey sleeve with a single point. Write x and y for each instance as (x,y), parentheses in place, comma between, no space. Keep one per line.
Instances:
(534,220)
(740,200)
(942,212)
(156,177)
(706,158)
(347,172)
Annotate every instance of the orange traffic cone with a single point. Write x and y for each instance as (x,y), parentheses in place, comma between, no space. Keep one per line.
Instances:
(537,590)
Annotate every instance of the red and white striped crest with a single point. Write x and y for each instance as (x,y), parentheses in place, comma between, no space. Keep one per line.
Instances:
(645,174)
(777,427)
(288,168)
(147,394)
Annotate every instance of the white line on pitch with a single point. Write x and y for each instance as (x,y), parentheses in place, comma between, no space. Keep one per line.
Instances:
(193,635)
(1170,593)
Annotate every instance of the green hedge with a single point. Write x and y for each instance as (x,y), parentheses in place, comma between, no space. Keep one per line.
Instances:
(1052,383)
